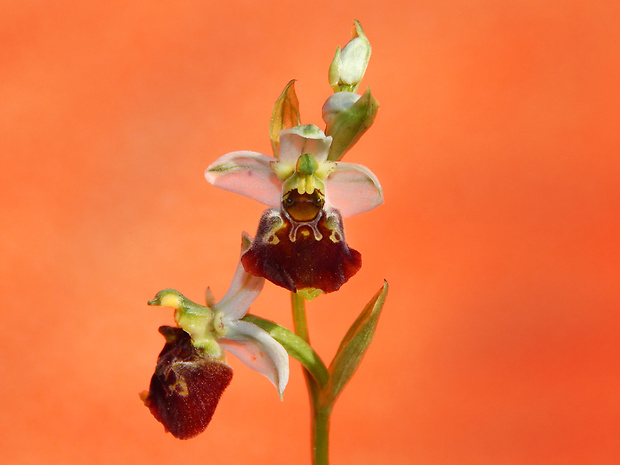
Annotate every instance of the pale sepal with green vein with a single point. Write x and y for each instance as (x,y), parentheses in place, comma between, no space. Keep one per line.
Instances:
(353,346)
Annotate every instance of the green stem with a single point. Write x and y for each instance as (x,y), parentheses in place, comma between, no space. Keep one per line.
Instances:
(320,435)
(300,323)
(320,413)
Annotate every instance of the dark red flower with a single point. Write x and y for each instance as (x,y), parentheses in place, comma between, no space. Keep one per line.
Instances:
(300,255)
(186,386)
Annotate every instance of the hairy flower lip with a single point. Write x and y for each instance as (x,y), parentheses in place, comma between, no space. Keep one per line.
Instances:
(305,255)
(186,386)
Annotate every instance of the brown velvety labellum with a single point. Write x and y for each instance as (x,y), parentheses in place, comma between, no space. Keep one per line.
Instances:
(306,262)
(186,386)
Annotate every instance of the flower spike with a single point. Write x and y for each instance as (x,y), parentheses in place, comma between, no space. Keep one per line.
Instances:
(300,241)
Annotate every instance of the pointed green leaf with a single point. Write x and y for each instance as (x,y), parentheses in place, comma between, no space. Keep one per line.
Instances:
(295,346)
(349,125)
(285,115)
(354,345)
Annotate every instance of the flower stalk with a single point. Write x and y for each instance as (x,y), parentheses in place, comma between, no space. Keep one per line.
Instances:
(320,414)
(299,245)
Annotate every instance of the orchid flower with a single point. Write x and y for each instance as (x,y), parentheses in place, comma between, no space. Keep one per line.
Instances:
(191,371)
(300,243)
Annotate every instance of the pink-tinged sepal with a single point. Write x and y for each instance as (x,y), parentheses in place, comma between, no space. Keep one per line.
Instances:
(258,350)
(302,255)
(247,173)
(186,386)
(353,189)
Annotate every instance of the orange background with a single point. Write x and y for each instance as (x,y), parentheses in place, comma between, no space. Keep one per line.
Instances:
(498,149)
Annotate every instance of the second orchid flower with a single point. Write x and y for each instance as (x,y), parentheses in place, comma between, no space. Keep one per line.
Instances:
(191,372)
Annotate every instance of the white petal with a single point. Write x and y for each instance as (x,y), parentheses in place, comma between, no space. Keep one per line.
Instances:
(258,350)
(353,189)
(304,139)
(246,173)
(242,292)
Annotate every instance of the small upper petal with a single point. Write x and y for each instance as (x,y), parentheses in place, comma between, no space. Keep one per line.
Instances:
(304,139)
(258,350)
(247,173)
(353,189)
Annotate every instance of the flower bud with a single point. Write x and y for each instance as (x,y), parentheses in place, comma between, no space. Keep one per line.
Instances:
(338,102)
(349,65)
(348,123)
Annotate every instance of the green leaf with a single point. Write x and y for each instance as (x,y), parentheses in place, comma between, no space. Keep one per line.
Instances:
(354,346)
(295,346)
(285,115)
(349,125)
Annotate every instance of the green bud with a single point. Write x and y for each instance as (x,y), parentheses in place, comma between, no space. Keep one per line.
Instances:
(349,64)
